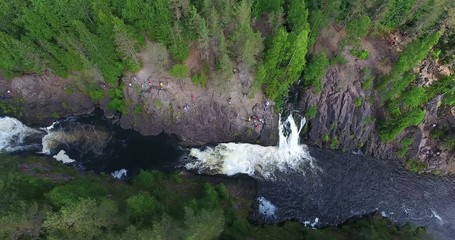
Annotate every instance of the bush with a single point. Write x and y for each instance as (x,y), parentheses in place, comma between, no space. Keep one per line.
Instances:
(390,129)
(338,60)
(358,102)
(315,71)
(179,51)
(415,166)
(144,207)
(311,112)
(405,144)
(179,71)
(401,75)
(367,79)
(199,79)
(70,193)
(358,28)
(361,54)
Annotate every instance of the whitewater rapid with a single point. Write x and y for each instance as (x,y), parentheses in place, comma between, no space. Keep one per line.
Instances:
(256,160)
(15,136)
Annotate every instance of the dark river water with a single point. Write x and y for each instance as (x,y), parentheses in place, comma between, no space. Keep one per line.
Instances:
(338,186)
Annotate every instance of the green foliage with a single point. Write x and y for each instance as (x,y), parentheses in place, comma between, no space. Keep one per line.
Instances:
(358,101)
(311,112)
(315,71)
(268,6)
(285,56)
(199,79)
(117,103)
(401,76)
(247,42)
(134,211)
(179,51)
(398,12)
(405,144)
(338,60)
(325,138)
(415,166)
(72,192)
(358,28)
(84,219)
(23,222)
(414,97)
(179,71)
(143,207)
(361,54)
(446,136)
(390,129)
(444,86)
(205,224)
(367,79)
(334,143)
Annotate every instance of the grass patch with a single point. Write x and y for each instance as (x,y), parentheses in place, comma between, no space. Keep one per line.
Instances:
(179,71)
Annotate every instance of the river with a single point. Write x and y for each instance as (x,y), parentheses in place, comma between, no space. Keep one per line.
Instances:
(314,186)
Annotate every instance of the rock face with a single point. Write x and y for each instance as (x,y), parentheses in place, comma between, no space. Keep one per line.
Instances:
(42,99)
(344,118)
(156,102)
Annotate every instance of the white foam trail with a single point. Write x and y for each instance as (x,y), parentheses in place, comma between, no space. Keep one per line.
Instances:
(13,133)
(437,216)
(266,207)
(234,158)
(119,174)
(62,157)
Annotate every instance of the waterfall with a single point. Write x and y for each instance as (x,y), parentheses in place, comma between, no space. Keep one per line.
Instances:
(255,160)
(15,136)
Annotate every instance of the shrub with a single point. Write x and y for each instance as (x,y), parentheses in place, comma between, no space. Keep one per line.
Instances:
(179,71)
(361,54)
(70,193)
(142,206)
(390,129)
(199,79)
(405,144)
(338,60)
(311,112)
(358,28)
(367,79)
(358,102)
(315,71)
(415,166)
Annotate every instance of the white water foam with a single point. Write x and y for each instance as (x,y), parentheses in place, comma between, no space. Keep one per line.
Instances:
(266,208)
(436,215)
(119,174)
(235,158)
(62,157)
(93,138)
(13,133)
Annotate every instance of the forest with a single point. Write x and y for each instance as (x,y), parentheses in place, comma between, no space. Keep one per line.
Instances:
(43,199)
(99,41)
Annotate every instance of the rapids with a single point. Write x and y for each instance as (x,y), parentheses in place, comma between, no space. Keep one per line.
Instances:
(325,188)
(314,186)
